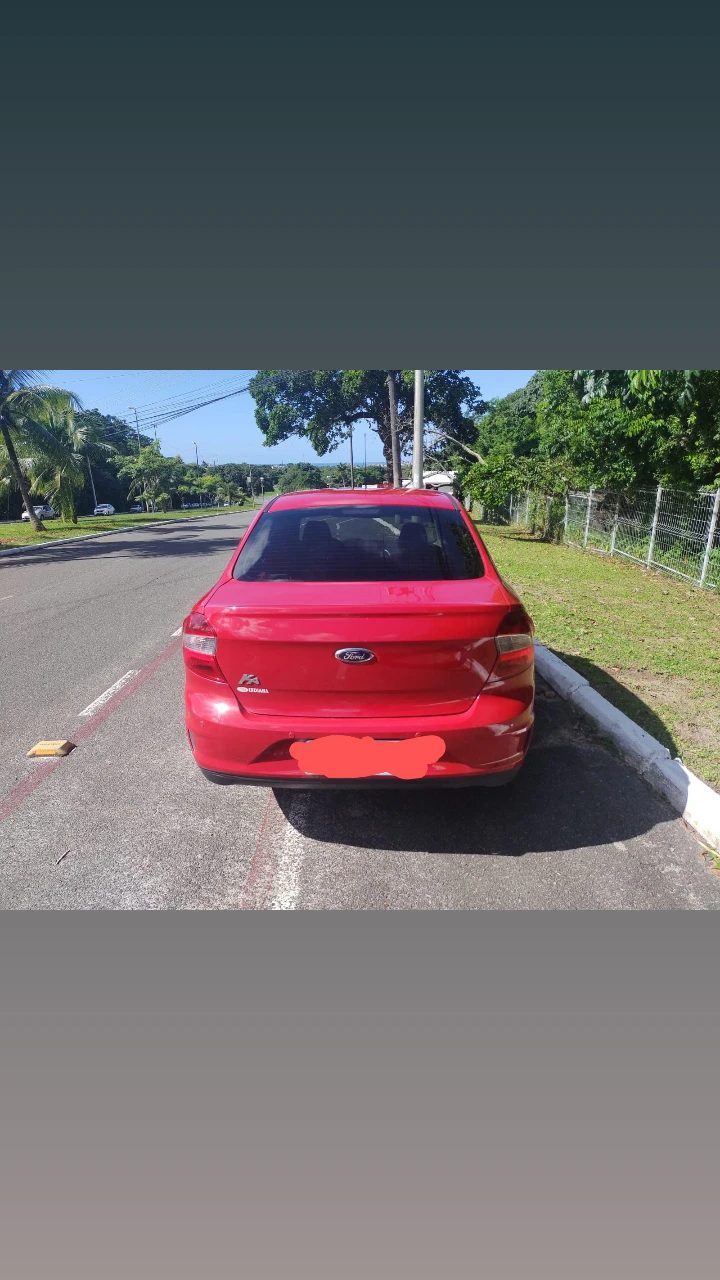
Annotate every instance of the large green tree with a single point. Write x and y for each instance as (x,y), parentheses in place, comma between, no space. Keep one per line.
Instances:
(323,405)
(338,477)
(301,475)
(111,430)
(109,441)
(152,476)
(510,422)
(674,415)
(61,480)
(28,412)
(612,428)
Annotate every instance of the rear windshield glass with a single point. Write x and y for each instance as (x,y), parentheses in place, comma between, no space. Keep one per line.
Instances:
(359,544)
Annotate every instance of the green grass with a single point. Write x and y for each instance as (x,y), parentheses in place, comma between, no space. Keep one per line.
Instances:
(648,643)
(21,534)
(713,859)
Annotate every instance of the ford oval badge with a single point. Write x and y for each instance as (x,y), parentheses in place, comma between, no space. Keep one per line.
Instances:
(355,655)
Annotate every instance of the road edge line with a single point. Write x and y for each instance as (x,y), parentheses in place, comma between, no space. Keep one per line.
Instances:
(25,787)
(688,795)
(104,697)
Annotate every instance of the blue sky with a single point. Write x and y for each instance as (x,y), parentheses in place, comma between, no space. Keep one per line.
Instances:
(226,431)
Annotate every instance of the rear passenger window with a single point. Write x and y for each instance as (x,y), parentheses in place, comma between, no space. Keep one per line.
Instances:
(359,544)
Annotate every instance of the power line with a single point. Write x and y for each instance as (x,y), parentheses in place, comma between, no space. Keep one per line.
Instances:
(154,415)
(170,415)
(151,408)
(151,381)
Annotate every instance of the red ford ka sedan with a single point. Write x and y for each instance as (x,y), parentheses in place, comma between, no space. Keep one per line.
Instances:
(349,625)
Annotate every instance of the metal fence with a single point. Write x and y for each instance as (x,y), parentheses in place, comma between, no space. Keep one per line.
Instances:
(663,529)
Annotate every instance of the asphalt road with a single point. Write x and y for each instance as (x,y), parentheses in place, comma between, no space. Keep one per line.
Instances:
(144,830)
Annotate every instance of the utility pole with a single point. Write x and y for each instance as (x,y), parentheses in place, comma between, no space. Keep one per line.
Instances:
(92,482)
(197,464)
(352,469)
(394,436)
(365,461)
(418,432)
(132,409)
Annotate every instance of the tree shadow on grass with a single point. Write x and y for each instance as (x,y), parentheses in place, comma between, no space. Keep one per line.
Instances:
(622,698)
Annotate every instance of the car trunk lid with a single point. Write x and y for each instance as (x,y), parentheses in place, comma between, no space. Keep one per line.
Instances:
(432,643)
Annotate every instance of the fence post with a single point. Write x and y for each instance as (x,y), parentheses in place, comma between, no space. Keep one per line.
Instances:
(614,530)
(711,538)
(567,514)
(587,518)
(653,531)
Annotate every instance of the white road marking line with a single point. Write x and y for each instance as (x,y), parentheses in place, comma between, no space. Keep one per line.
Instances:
(177,633)
(286,881)
(107,695)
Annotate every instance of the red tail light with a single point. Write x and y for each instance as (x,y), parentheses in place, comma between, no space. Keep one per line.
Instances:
(514,644)
(199,647)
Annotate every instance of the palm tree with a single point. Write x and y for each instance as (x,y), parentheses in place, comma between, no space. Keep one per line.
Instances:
(60,480)
(28,411)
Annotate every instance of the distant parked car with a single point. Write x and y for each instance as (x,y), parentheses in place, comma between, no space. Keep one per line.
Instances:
(136,509)
(43,512)
(104,509)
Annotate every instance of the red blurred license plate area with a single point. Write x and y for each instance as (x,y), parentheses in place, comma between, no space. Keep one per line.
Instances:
(342,756)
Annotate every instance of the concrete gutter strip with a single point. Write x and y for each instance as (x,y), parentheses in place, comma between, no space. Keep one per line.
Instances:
(563,679)
(688,794)
(698,803)
(639,747)
(124,528)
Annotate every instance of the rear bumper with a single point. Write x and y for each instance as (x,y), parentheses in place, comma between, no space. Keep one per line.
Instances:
(485,745)
(305,783)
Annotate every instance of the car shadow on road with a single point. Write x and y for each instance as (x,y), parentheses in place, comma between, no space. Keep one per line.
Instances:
(572,793)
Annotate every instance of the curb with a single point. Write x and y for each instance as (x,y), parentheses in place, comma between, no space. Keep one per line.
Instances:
(698,804)
(106,533)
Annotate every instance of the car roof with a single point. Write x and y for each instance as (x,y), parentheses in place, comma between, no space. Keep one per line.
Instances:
(361,498)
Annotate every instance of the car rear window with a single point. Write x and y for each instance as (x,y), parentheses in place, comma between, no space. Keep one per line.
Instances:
(382,543)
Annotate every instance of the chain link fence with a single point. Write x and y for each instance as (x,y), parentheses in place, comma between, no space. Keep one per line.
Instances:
(663,529)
